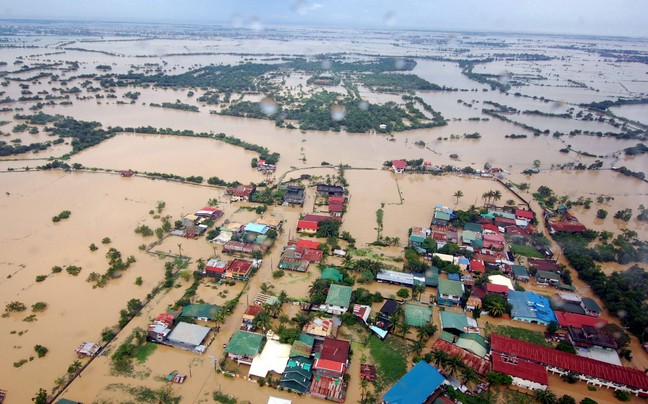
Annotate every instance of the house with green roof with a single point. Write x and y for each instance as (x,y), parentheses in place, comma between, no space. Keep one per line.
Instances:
(520,273)
(244,346)
(202,312)
(337,300)
(416,315)
(297,375)
(432,277)
(449,292)
(441,216)
(473,342)
(474,227)
(303,346)
(446,336)
(332,274)
(591,307)
(458,323)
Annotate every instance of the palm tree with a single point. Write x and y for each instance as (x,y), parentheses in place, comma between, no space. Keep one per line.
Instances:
(497,195)
(440,358)
(417,347)
(458,195)
(273,309)
(497,309)
(417,289)
(454,364)
(262,320)
(403,328)
(545,396)
(486,196)
(283,296)
(469,376)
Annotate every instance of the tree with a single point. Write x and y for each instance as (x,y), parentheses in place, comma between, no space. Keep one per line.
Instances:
(417,289)
(565,399)
(440,358)
(536,163)
(454,364)
(403,292)
(588,400)
(40,397)
(566,346)
(622,395)
(262,320)
(552,327)
(329,228)
(497,195)
(468,376)
(458,195)
(601,214)
(545,396)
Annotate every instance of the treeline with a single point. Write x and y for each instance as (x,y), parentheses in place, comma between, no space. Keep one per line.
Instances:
(7,149)
(397,82)
(87,134)
(624,292)
(603,106)
(176,105)
(489,79)
(629,173)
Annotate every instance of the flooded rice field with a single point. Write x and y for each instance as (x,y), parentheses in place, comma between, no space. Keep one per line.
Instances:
(105,205)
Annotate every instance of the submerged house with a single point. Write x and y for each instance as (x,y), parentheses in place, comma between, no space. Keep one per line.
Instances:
(244,346)
(337,300)
(449,292)
(329,369)
(416,387)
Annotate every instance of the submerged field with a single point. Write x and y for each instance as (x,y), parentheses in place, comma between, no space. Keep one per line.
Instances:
(541,101)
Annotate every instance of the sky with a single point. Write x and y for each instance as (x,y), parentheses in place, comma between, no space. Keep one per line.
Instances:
(582,17)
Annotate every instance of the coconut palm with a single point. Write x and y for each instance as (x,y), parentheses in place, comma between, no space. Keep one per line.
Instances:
(469,376)
(262,320)
(417,289)
(545,396)
(453,365)
(497,195)
(425,331)
(273,309)
(458,195)
(440,358)
(403,328)
(497,309)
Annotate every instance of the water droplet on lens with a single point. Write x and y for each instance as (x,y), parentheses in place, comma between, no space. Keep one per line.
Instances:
(504,78)
(364,105)
(268,106)
(390,18)
(400,64)
(326,64)
(256,24)
(236,21)
(337,112)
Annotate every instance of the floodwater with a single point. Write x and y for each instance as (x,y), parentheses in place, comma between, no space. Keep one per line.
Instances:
(106,205)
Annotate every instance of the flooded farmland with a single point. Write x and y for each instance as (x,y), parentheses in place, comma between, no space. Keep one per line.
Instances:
(90,80)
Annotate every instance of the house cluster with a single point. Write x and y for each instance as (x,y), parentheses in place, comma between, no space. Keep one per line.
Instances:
(194,225)
(236,269)
(314,364)
(248,238)
(560,220)
(299,254)
(330,199)
(169,329)
(310,223)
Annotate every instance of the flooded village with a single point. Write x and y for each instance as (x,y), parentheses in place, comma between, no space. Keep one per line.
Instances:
(298,215)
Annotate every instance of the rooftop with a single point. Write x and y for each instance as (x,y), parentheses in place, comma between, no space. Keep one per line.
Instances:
(244,343)
(553,357)
(201,311)
(416,316)
(452,288)
(416,386)
(189,334)
(520,368)
(530,307)
(339,295)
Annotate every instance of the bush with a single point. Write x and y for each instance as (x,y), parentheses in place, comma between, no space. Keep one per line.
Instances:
(499,378)
(277,274)
(39,306)
(403,292)
(622,395)
(40,350)
(56,269)
(41,278)
(106,240)
(15,306)
(73,270)
(144,230)
(601,214)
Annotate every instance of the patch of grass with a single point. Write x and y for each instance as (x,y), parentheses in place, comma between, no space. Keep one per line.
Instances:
(144,352)
(391,363)
(534,337)
(527,251)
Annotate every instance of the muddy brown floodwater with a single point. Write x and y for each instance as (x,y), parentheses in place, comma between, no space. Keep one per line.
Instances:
(107,205)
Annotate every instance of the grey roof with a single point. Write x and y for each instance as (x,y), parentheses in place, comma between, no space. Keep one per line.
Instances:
(547,275)
(189,334)
(590,304)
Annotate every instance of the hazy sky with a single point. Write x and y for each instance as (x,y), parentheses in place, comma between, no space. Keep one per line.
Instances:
(592,17)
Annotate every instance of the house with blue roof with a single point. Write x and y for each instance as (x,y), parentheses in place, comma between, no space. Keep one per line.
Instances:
(416,386)
(531,308)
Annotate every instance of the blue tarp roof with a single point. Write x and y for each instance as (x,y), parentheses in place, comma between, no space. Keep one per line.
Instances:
(454,277)
(416,386)
(529,306)
(257,228)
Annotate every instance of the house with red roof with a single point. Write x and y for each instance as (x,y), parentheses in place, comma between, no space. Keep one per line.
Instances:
(307,226)
(566,319)
(567,227)
(239,269)
(522,214)
(593,372)
(399,166)
(477,266)
(501,290)
(329,369)
(215,268)
(241,193)
(525,374)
